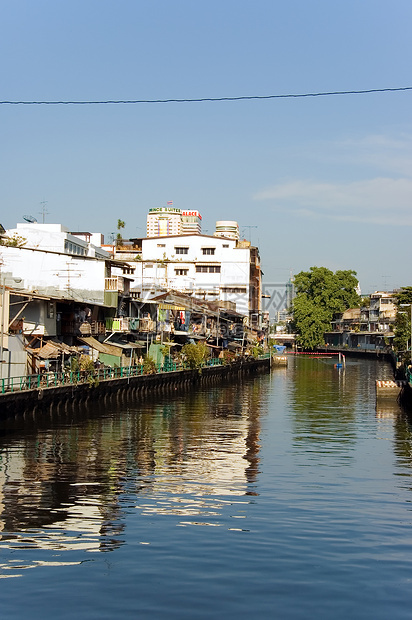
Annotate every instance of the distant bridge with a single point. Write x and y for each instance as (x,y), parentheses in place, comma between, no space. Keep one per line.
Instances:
(287,339)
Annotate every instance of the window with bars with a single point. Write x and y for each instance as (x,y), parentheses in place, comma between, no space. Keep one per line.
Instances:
(234,289)
(208,251)
(181,272)
(207,268)
(181,250)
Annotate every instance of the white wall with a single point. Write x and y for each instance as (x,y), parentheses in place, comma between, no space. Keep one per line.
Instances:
(55,274)
(53,237)
(234,268)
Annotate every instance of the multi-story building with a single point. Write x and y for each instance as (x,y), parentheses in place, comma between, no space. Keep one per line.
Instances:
(57,238)
(227,228)
(368,327)
(191,223)
(164,221)
(209,268)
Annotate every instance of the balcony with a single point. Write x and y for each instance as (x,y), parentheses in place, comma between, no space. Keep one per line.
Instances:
(115,284)
(128,324)
(87,328)
(92,328)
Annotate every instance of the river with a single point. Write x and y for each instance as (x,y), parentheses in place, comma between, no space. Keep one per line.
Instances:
(285,496)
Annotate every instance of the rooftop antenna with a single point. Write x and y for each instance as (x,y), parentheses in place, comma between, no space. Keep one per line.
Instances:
(43,211)
(29,218)
(70,275)
(250,233)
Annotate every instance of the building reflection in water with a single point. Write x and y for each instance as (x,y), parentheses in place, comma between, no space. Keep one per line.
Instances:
(69,488)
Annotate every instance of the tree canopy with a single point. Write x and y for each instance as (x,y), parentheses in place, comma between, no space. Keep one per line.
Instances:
(403,319)
(321,293)
(120,225)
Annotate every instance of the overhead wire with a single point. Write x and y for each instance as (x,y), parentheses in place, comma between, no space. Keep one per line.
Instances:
(213,99)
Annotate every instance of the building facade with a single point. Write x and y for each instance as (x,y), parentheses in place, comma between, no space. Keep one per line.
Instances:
(207,267)
(164,221)
(57,238)
(227,228)
(191,223)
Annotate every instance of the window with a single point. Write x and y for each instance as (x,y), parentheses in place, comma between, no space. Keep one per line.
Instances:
(72,248)
(208,251)
(161,245)
(50,310)
(182,250)
(225,245)
(233,289)
(181,272)
(207,268)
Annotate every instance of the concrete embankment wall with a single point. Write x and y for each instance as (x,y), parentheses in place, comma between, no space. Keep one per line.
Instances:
(388,355)
(138,388)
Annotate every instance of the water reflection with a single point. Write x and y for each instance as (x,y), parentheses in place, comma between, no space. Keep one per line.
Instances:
(70,487)
(403,443)
(324,403)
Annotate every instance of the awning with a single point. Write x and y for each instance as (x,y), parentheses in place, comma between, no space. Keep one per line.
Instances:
(166,306)
(234,345)
(53,350)
(109,349)
(128,345)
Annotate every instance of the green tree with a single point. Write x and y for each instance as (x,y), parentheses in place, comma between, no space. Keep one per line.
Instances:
(15,241)
(120,226)
(403,319)
(320,294)
(195,354)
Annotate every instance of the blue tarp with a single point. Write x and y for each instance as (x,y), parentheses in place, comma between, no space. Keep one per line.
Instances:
(279,349)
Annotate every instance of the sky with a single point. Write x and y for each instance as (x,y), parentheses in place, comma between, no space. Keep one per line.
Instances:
(323,181)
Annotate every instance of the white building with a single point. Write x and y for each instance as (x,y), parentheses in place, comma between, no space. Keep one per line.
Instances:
(57,238)
(227,228)
(54,273)
(53,262)
(191,223)
(210,268)
(164,221)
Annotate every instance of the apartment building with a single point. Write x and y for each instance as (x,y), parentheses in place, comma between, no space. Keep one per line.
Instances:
(207,267)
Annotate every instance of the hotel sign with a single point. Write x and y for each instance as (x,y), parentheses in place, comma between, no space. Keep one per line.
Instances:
(165,210)
(192,214)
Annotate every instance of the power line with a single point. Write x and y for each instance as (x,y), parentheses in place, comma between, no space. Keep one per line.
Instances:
(202,99)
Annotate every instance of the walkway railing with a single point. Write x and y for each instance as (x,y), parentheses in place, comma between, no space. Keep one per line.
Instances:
(67,378)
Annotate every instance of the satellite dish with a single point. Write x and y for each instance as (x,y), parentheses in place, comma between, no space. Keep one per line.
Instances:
(29,218)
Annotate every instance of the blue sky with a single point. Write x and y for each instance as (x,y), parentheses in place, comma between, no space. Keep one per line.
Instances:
(327,180)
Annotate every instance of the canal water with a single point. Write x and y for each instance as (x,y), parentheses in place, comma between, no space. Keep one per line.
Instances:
(285,496)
